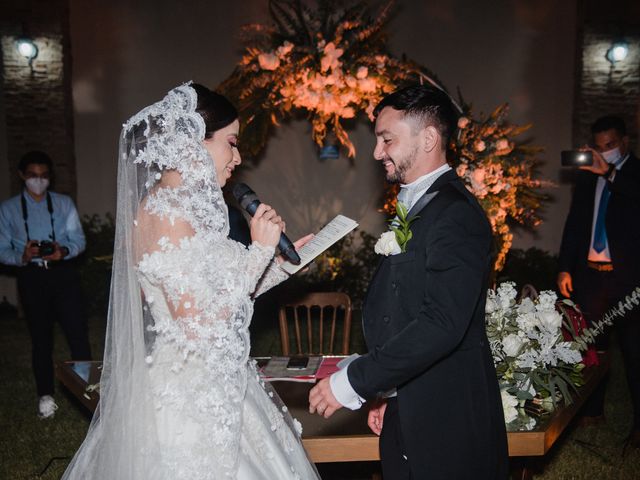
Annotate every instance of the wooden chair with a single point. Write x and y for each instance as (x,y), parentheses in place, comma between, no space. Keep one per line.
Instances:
(315,317)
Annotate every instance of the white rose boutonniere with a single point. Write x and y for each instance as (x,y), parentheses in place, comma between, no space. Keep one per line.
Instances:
(387,244)
(395,240)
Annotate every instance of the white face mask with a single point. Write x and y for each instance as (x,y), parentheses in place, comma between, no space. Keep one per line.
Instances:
(612,156)
(37,185)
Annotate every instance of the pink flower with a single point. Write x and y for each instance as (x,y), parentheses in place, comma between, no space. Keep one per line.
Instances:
(503,147)
(502,144)
(463,122)
(348,112)
(268,61)
(363,72)
(284,49)
(369,111)
(330,57)
(478,175)
(367,85)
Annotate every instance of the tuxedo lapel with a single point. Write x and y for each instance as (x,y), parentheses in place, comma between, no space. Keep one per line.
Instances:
(432,191)
(421,203)
(429,195)
(446,177)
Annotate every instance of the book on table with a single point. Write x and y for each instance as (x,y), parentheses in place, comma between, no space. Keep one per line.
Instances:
(318,367)
(327,236)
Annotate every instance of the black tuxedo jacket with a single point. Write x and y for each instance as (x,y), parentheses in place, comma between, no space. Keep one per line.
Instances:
(621,221)
(423,320)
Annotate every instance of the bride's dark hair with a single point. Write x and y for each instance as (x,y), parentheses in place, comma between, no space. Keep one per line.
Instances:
(216,111)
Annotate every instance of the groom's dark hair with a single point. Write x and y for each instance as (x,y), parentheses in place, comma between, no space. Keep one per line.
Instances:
(429,105)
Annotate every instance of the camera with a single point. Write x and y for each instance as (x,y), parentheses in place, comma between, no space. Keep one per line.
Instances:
(45,248)
(576,158)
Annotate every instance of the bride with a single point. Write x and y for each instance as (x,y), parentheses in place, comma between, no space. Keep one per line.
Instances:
(180,398)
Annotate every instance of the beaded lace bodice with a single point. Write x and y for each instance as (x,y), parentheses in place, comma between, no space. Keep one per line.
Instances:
(198,360)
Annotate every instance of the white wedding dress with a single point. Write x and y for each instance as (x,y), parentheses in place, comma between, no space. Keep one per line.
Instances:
(197,381)
(179,396)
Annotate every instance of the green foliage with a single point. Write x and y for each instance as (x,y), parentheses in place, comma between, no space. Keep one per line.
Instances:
(95,264)
(401,225)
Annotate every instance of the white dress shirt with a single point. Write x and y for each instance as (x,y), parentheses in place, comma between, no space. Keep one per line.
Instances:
(339,381)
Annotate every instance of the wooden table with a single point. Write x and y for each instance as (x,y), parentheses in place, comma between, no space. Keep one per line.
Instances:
(345,436)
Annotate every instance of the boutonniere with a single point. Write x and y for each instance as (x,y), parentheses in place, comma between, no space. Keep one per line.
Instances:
(394,241)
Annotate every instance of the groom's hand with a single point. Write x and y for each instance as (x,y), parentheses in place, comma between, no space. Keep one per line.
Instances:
(321,399)
(376,417)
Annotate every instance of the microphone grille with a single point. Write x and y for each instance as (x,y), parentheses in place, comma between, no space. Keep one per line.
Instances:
(240,190)
(245,196)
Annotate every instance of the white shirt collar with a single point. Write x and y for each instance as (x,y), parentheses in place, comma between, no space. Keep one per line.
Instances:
(414,190)
(435,174)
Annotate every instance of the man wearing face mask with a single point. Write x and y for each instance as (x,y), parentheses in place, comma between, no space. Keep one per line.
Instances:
(39,232)
(599,258)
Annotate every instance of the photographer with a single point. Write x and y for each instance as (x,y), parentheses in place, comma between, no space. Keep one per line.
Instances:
(599,258)
(39,232)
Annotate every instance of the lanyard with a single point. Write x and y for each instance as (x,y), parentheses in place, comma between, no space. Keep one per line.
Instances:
(25,215)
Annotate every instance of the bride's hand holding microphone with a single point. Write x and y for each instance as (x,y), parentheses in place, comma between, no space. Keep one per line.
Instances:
(266,226)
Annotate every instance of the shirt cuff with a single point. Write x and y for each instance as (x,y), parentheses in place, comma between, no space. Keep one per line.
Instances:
(343,391)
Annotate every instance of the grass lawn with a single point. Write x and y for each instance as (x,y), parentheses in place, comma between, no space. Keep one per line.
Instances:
(28,445)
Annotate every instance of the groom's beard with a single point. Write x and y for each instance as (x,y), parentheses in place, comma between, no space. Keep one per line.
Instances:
(402,165)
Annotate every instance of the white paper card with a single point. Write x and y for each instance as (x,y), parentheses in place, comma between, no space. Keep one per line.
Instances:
(330,234)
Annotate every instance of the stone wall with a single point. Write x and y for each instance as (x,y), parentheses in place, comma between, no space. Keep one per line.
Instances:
(38,111)
(603,88)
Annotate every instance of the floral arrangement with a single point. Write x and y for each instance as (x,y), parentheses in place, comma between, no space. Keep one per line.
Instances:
(499,172)
(532,357)
(331,64)
(328,63)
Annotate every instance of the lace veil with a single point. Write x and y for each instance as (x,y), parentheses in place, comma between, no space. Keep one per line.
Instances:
(164,138)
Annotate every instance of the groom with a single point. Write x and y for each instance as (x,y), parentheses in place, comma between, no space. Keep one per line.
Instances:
(429,374)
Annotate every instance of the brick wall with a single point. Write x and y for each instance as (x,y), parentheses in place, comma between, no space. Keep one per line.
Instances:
(37,101)
(603,88)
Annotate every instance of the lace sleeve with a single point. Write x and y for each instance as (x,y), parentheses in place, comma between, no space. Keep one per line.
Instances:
(273,276)
(205,283)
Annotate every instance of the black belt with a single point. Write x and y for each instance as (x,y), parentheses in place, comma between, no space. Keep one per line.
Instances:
(600,266)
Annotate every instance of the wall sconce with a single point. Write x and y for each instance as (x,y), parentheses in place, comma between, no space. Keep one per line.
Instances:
(617,52)
(27,49)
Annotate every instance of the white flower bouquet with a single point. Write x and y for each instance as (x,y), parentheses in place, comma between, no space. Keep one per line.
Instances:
(533,359)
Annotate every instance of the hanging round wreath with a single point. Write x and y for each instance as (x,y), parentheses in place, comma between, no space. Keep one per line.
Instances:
(331,64)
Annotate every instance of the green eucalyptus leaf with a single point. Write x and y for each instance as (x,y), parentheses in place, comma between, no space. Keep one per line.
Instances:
(399,236)
(524,395)
(401,211)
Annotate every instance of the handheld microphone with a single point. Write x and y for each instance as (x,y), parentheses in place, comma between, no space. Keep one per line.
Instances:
(248,200)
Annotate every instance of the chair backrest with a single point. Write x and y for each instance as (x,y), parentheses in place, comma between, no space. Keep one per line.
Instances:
(315,318)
